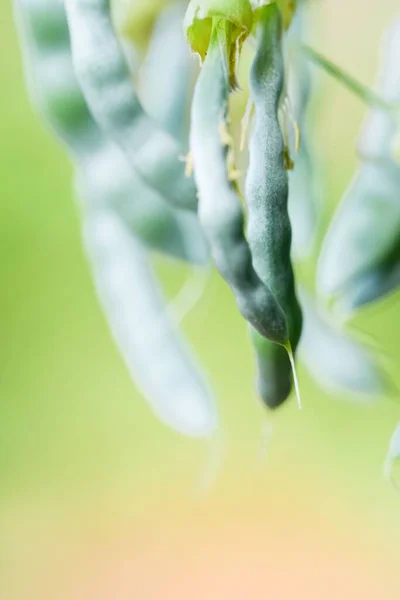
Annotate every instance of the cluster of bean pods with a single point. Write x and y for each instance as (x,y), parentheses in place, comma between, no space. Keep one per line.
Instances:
(155,164)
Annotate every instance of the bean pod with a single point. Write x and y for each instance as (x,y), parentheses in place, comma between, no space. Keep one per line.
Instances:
(220,210)
(157,359)
(362,239)
(104,175)
(304,207)
(104,76)
(339,361)
(166,75)
(268,227)
(359,261)
(274,370)
(374,285)
(117,208)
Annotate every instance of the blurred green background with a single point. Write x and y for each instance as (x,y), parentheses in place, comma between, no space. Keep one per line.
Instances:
(99,500)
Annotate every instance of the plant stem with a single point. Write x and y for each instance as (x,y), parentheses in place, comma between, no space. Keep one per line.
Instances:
(359,89)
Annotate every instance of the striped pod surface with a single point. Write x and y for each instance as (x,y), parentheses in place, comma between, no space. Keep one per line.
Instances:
(156,357)
(268,227)
(165,87)
(359,261)
(105,78)
(117,207)
(54,91)
(104,175)
(220,209)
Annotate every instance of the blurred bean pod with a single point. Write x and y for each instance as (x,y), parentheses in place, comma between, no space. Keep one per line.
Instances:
(117,207)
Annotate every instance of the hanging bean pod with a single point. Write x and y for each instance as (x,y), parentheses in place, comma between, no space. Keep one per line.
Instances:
(166,75)
(116,208)
(220,209)
(165,87)
(274,370)
(363,237)
(103,173)
(340,362)
(44,36)
(359,261)
(106,81)
(374,285)
(156,357)
(268,227)
(304,206)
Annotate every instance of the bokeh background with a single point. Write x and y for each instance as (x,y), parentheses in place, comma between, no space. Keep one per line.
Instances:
(99,501)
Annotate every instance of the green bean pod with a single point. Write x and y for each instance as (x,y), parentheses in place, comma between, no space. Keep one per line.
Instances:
(363,237)
(55,94)
(220,210)
(113,218)
(338,361)
(105,176)
(378,283)
(156,357)
(166,75)
(274,371)
(359,261)
(268,227)
(381,126)
(165,86)
(304,208)
(106,81)
(107,180)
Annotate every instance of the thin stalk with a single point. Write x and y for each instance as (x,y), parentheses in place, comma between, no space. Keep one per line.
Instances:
(363,92)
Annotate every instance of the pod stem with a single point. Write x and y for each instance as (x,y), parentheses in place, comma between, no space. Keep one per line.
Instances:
(357,88)
(289,350)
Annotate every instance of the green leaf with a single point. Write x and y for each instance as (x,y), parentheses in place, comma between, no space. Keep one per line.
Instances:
(199,19)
